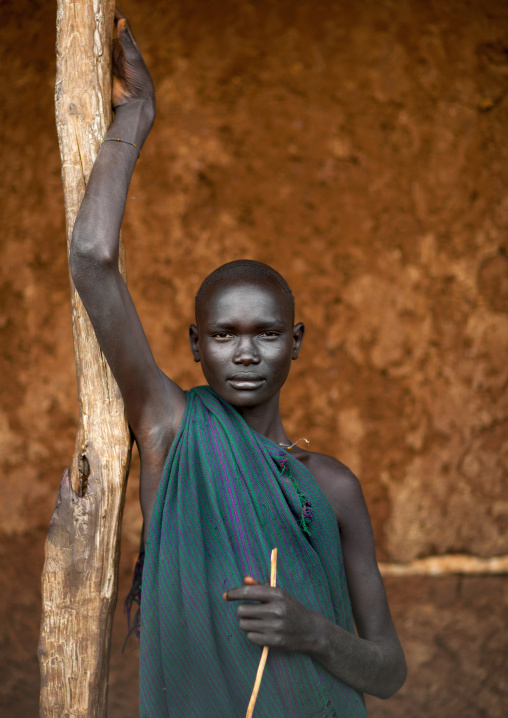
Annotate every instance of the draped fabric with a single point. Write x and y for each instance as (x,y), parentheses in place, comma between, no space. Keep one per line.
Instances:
(227,497)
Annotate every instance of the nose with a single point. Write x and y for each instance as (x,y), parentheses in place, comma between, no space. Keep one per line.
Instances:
(246,352)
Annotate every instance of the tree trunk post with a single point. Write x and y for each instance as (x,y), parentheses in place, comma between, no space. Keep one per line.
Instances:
(79,580)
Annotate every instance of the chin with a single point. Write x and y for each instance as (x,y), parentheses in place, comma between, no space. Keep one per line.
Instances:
(246,401)
(244,398)
(241,398)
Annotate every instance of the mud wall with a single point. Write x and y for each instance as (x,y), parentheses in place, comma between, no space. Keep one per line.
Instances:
(360,149)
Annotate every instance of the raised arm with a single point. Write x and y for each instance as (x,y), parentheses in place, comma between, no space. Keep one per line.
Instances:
(153,403)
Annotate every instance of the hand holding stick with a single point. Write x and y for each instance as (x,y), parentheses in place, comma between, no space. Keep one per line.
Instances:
(264,654)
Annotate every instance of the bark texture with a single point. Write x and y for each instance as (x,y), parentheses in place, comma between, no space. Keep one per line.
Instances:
(79,581)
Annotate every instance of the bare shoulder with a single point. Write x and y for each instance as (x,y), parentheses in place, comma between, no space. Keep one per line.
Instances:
(338,483)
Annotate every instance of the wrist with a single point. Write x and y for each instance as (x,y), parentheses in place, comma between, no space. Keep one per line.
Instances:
(316,639)
(133,120)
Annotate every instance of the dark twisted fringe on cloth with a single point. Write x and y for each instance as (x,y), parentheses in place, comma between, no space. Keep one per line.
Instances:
(307,514)
(134,596)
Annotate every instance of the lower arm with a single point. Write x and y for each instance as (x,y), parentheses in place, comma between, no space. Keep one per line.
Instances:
(97,227)
(133,121)
(374,667)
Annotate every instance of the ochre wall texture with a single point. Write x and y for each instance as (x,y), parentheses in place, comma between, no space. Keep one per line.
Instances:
(360,149)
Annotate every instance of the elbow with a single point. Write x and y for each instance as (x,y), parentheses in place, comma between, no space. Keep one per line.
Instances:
(395,680)
(391,672)
(88,257)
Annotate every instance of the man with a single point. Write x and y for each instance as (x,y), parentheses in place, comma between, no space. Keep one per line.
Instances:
(233,484)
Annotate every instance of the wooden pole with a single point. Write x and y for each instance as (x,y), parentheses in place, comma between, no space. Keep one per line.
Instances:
(79,580)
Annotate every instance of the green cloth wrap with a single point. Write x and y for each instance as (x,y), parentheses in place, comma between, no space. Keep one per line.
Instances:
(227,497)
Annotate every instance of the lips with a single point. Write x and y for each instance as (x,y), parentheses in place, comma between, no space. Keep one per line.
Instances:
(246,381)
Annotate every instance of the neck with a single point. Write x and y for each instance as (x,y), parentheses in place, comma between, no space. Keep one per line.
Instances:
(265,419)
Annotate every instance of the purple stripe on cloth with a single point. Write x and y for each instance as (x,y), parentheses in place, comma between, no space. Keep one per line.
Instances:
(237,521)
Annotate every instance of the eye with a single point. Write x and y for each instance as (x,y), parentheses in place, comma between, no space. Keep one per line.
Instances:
(269,334)
(222,335)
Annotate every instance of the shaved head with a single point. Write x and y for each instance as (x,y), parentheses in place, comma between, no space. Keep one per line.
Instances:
(245,271)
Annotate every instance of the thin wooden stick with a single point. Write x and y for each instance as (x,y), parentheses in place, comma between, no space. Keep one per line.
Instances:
(264,654)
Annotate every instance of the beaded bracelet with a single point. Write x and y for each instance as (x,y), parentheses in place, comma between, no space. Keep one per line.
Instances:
(118,139)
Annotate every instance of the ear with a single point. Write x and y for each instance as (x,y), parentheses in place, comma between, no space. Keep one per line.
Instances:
(298,332)
(194,342)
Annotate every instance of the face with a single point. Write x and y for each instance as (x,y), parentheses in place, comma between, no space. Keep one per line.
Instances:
(245,341)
